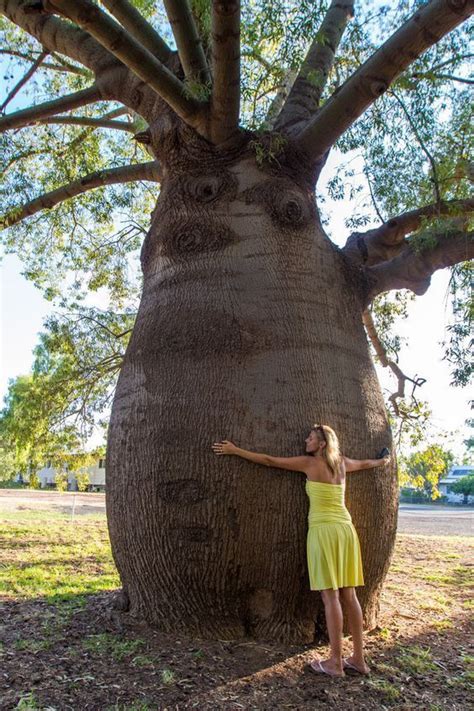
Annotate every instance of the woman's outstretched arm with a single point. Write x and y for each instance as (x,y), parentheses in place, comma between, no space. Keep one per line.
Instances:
(355,465)
(295,464)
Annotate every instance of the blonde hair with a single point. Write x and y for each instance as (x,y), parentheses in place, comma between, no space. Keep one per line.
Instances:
(331,451)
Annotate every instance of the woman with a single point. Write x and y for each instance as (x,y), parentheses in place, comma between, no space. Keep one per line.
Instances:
(333,552)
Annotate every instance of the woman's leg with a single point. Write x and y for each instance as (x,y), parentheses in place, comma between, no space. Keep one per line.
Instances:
(333,611)
(354,617)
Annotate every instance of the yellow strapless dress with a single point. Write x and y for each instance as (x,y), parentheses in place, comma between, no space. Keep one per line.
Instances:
(333,549)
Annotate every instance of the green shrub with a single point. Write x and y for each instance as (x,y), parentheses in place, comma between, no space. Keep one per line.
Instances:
(60,479)
(83,480)
(34,481)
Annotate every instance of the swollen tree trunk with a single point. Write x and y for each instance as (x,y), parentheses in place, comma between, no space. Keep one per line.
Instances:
(249,329)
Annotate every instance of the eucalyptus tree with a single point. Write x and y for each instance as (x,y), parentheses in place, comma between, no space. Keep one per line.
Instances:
(250,324)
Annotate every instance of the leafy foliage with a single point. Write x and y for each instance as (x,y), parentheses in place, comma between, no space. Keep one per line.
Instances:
(424,469)
(49,414)
(409,148)
(464,486)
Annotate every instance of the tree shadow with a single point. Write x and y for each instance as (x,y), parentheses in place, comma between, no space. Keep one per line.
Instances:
(101,657)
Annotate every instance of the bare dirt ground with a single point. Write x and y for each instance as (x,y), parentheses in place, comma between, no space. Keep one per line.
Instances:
(66,502)
(76,653)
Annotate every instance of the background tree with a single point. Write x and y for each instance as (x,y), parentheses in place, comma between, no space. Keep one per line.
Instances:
(425,468)
(464,486)
(38,426)
(250,323)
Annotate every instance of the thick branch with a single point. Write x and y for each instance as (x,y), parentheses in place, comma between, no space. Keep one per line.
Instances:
(36,64)
(56,35)
(280,98)
(138,27)
(306,93)
(188,42)
(138,59)
(412,268)
(50,108)
(225,101)
(424,29)
(94,122)
(388,240)
(125,174)
(386,362)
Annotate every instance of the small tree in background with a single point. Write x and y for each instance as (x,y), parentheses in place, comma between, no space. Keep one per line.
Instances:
(424,469)
(83,480)
(34,482)
(60,479)
(464,486)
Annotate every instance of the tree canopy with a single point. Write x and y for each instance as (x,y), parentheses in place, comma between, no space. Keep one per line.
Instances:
(423,469)
(84,80)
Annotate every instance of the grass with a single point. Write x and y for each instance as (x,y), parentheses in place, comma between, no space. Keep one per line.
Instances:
(48,556)
(386,688)
(60,561)
(167,677)
(110,645)
(416,660)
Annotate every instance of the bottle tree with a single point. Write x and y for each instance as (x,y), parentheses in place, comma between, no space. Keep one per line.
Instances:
(250,324)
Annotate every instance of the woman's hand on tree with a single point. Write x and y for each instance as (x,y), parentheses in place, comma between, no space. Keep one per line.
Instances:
(224,447)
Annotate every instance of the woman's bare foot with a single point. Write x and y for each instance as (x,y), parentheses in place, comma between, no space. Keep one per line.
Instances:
(327,666)
(355,665)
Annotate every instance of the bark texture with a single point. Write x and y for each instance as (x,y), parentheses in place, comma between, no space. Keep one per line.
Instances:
(248,329)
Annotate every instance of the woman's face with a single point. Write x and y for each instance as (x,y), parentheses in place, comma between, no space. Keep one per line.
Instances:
(312,442)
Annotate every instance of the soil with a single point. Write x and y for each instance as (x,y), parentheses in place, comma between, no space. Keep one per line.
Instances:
(91,657)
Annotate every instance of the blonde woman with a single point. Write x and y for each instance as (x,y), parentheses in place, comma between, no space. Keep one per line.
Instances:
(333,552)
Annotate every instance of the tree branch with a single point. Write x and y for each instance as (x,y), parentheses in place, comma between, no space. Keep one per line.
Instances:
(413,267)
(36,64)
(58,36)
(62,65)
(129,173)
(388,240)
(422,144)
(50,108)
(424,29)
(138,27)
(138,59)
(94,122)
(448,77)
(188,42)
(386,362)
(279,99)
(306,93)
(225,100)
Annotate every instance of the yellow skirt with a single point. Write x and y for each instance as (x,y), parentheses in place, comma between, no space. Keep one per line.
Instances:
(334,559)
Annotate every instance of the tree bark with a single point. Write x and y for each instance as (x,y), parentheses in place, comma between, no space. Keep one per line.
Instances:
(308,88)
(413,267)
(239,335)
(387,241)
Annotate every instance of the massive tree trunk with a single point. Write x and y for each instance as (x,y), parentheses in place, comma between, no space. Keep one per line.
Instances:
(250,325)
(250,329)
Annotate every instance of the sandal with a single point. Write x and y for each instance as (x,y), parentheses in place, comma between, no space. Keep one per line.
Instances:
(317,668)
(352,667)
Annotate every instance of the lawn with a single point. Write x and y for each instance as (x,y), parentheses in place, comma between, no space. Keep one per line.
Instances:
(63,647)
